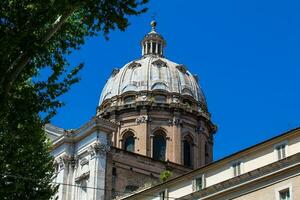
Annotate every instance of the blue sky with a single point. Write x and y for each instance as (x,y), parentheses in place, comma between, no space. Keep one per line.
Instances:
(246,54)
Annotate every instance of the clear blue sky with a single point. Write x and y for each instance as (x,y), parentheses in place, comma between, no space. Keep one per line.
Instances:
(246,53)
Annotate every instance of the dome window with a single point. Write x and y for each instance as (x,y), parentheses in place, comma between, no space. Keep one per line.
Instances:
(148,48)
(159,49)
(154,47)
(160,98)
(129,99)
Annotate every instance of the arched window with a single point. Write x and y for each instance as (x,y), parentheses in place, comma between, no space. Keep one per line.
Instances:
(129,142)
(187,152)
(159,147)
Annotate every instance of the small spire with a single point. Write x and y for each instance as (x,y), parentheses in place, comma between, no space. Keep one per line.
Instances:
(153,25)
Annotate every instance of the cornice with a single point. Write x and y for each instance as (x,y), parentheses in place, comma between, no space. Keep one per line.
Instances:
(96,124)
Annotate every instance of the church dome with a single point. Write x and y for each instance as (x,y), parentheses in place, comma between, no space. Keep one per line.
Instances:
(153,73)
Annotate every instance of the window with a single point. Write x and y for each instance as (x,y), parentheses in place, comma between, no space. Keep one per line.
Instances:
(159,48)
(187,152)
(160,98)
(198,183)
(129,143)
(153,47)
(159,147)
(280,149)
(236,168)
(148,48)
(129,99)
(284,194)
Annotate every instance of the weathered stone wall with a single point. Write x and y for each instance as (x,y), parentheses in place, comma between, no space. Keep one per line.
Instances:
(128,171)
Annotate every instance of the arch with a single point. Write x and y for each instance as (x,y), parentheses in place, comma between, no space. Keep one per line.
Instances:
(129,87)
(129,141)
(159,146)
(188,151)
(187,91)
(160,86)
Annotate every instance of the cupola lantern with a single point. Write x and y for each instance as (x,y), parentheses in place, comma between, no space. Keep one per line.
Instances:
(153,43)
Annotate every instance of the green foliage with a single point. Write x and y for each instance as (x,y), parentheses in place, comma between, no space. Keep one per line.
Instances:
(165,175)
(26,167)
(37,35)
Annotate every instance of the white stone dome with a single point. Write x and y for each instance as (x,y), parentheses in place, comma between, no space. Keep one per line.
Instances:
(152,73)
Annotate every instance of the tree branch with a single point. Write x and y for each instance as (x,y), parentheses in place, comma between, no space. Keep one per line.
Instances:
(19,65)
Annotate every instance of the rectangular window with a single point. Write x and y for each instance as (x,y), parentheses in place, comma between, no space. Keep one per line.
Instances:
(281,151)
(198,183)
(284,194)
(236,168)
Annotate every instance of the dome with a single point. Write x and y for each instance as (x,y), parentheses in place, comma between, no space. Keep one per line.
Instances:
(153,72)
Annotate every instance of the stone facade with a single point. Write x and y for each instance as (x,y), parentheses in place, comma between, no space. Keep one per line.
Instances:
(80,160)
(127,172)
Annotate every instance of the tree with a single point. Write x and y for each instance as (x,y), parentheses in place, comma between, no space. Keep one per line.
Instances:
(35,35)
(165,175)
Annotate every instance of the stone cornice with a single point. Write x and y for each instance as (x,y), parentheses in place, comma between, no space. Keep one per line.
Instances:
(96,124)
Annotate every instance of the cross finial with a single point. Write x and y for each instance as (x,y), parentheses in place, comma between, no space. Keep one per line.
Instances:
(153,23)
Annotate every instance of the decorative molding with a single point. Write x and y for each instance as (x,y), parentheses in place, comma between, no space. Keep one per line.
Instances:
(134,65)
(159,63)
(143,119)
(64,160)
(98,149)
(82,176)
(84,161)
(181,68)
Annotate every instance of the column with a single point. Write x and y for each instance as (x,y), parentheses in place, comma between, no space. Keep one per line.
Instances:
(97,169)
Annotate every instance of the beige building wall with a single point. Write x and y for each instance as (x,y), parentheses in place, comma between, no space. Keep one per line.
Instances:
(263,174)
(272,192)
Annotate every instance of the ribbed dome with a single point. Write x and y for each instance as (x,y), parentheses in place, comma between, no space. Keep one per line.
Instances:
(152,73)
